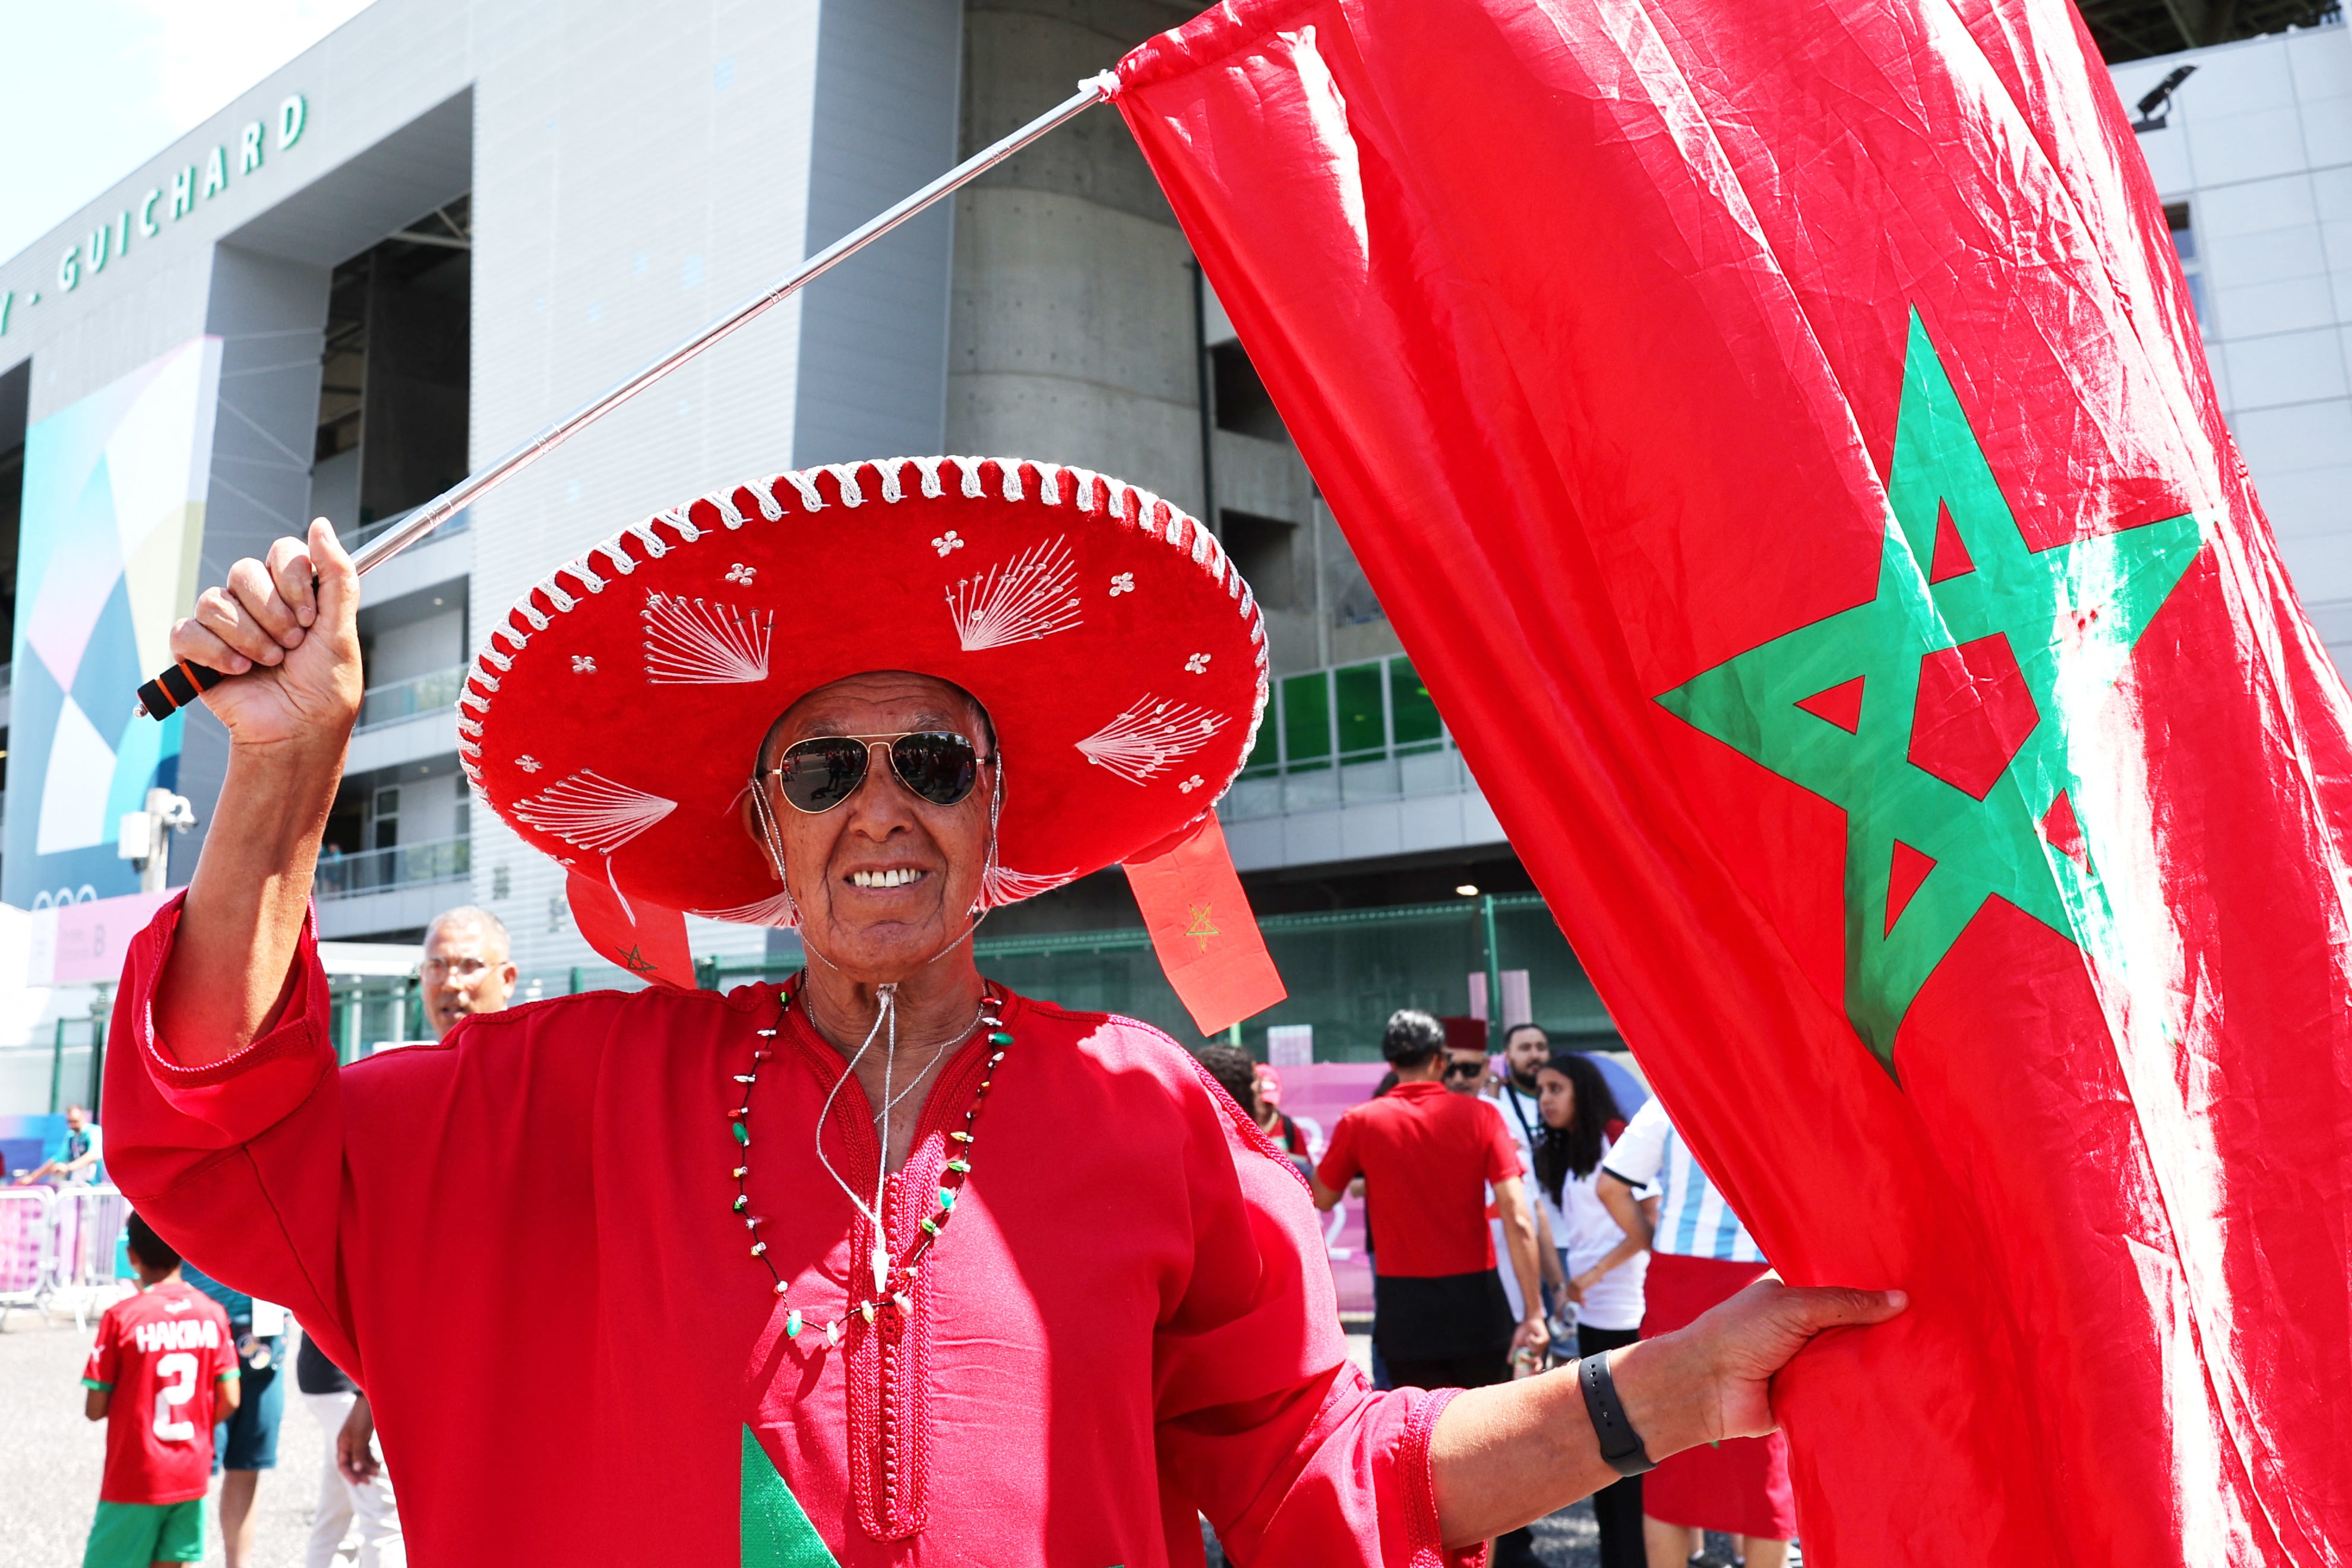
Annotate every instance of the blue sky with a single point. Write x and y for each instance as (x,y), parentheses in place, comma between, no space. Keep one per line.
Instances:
(91,89)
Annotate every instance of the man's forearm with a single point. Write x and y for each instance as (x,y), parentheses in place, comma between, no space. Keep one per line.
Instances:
(1505,1456)
(1508,1455)
(245,905)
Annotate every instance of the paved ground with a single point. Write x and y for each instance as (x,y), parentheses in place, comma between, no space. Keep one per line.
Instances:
(1568,1539)
(51,1458)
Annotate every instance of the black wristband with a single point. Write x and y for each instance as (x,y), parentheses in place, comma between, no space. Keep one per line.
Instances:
(1621,1446)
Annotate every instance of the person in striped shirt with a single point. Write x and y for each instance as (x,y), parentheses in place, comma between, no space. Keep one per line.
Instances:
(1701,1255)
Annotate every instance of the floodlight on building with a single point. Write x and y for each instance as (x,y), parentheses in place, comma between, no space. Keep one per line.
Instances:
(1467,889)
(2155,105)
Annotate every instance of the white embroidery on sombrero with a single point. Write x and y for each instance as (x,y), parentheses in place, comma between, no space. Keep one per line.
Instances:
(1147,735)
(1000,886)
(589,811)
(698,642)
(779,910)
(640,544)
(1030,597)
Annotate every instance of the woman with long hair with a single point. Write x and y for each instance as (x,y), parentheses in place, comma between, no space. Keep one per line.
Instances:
(1602,1263)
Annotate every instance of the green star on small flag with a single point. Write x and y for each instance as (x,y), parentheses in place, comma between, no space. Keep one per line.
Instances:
(1945,714)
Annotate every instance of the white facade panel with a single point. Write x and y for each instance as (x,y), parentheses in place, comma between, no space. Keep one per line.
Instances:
(2258,144)
(2291,367)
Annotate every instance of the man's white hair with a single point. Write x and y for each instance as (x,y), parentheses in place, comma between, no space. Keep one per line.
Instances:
(473,914)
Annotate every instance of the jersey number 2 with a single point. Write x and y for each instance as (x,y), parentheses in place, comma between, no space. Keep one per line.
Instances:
(172,1427)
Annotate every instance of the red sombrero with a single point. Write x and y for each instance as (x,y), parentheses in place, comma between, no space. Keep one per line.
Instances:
(613,717)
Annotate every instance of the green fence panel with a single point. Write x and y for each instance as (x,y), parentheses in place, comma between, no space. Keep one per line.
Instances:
(1559,991)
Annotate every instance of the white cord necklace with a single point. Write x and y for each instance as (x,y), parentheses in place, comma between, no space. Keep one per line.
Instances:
(886,1023)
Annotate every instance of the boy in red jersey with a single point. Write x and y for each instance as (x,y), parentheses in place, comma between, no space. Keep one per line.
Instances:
(164,1370)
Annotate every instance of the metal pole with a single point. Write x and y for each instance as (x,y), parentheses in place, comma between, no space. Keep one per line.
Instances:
(158,701)
(57,1067)
(1206,386)
(98,1014)
(1494,973)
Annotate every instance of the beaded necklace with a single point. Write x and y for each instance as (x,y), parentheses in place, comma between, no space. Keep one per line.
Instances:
(895,1290)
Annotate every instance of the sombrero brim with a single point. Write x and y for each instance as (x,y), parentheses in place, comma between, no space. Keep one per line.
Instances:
(611,719)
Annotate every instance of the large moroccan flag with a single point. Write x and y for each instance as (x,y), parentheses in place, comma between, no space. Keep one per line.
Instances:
(1779,433)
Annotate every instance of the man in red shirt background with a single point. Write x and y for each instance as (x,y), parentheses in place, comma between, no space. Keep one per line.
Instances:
(1440,1317)
(164,1370)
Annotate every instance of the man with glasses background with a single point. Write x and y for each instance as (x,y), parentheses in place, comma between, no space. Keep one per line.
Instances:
(467,969)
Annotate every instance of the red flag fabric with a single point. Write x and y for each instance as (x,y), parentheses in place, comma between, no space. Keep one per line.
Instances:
(643,938)
(1202,927)
(1779,434)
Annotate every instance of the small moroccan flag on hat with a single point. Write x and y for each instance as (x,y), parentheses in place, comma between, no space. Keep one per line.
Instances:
(612,718)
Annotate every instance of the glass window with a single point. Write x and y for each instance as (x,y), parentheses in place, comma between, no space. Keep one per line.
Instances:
(1417,724)
(2192,266)
(1307,720)
(1362,728)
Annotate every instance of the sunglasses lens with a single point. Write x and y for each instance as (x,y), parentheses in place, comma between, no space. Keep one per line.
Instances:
(942,768)
(819,775)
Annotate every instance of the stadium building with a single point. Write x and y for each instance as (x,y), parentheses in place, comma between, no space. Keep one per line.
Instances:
(454,219)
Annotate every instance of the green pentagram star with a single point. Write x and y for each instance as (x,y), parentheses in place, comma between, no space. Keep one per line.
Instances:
(1989,821)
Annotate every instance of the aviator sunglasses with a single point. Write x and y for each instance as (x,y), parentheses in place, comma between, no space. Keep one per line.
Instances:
(818,774)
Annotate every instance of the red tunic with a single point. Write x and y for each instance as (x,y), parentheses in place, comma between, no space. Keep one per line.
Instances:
(520,1242)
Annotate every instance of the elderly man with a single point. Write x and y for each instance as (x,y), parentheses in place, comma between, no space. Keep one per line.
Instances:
(873,701)
(467,967)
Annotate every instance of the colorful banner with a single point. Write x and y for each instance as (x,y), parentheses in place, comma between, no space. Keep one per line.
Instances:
(113,513)
(1780,436)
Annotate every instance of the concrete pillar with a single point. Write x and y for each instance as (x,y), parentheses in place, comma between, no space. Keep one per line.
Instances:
(1072,337)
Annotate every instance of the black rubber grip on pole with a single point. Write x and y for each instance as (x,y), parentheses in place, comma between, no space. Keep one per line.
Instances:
(176,687)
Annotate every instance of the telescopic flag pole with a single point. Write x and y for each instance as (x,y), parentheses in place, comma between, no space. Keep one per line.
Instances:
(181,684)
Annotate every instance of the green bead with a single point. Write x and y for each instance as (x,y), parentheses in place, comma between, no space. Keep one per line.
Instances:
(793,1324)
(1000,1038)
(961,1167)
(930,1227)
(742,1134)
(743,1202)
(947,1197)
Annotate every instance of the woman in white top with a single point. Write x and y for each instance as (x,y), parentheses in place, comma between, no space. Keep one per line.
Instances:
(1601,1264)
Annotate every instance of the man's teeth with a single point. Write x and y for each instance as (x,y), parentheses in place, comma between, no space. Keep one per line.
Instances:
(883,879)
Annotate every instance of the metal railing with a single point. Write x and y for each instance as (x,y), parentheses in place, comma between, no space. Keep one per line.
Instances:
(398,699)
(57,1248)
(401,865)
(1346,734)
